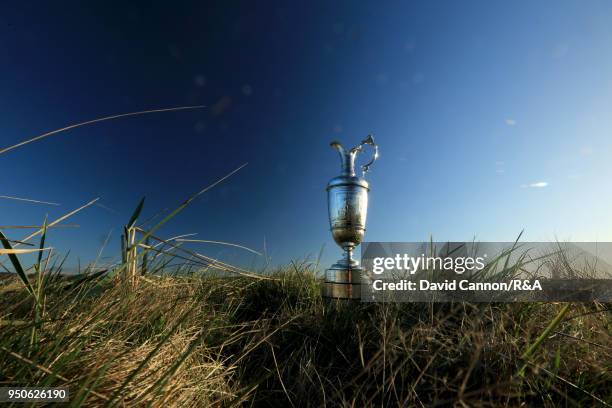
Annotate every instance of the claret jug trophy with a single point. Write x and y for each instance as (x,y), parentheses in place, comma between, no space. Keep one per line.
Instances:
(347,199)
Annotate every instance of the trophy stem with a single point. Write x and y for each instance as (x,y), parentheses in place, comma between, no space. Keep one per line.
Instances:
(348,257)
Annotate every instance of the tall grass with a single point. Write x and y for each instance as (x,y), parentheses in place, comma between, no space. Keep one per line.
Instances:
(169,326)
(196,339)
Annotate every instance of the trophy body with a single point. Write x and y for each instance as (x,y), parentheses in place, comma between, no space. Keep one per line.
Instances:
(347,199)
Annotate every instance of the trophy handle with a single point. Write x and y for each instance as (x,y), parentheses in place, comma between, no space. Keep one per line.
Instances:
(367,141)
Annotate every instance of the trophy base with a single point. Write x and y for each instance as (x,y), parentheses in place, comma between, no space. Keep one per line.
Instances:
(342,282)
(333,290)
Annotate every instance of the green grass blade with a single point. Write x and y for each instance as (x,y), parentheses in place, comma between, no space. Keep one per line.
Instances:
(551,326)
(145,259)
(17,265)
(136,214)
(39,285)
(42,244)
(123,248)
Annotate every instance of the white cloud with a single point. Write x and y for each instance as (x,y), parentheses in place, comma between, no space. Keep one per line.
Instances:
(510,122)
(539,184)
(499,167)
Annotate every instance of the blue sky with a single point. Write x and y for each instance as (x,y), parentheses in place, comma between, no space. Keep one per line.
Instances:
(492,118)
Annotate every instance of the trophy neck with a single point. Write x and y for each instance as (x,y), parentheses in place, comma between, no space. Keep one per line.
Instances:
(348,164)
(347,160)
(348,255)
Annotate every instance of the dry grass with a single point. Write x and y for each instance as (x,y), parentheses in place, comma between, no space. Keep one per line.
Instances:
(168,326)
(202,341)
(196,339)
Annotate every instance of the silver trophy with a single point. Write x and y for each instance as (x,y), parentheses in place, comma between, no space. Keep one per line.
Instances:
(347,199)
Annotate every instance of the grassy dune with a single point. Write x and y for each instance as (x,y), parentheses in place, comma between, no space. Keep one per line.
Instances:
(158,329)
(200,341)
